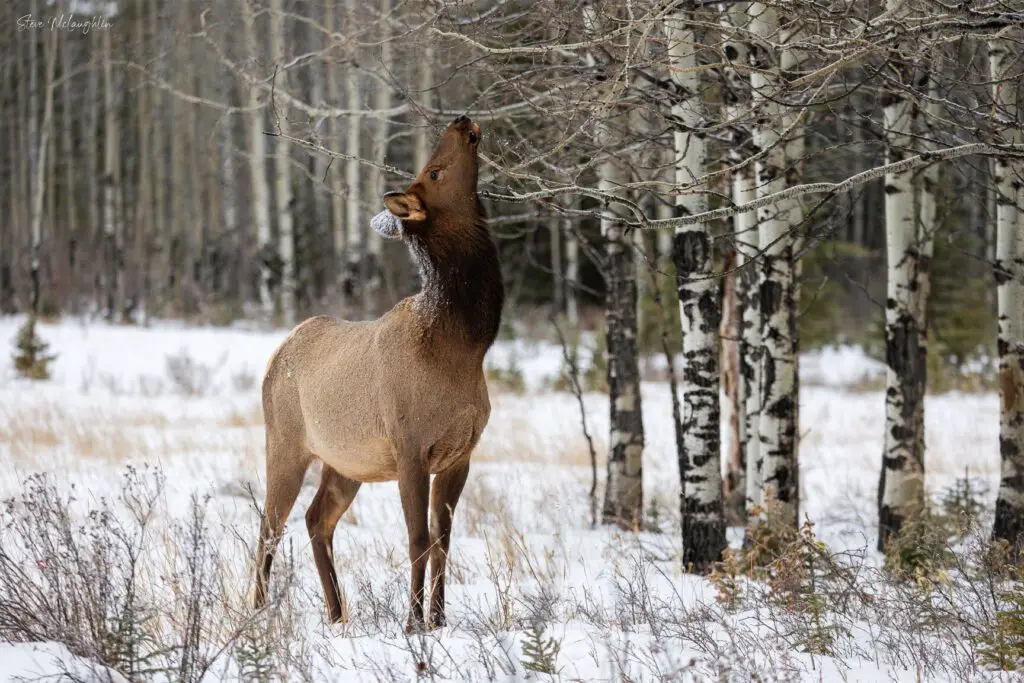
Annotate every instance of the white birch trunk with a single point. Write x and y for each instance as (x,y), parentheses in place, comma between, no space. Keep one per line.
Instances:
(623,503)
(902,486)
(791,62)
(1009,272)
(283,173)
(776,426)
(258,172)
(745,190)
(700,314)
(925,185)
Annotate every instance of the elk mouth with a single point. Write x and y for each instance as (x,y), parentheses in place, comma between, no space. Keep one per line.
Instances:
(469,127)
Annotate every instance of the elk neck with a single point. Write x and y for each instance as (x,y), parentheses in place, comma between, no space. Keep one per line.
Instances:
(461,294)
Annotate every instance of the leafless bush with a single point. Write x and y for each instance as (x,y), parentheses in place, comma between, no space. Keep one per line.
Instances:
(127,595)
(189,376)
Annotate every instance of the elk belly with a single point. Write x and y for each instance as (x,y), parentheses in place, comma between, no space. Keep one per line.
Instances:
(368,461)
(387,225)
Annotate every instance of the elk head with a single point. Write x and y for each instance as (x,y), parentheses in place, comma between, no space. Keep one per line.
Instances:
(445,188)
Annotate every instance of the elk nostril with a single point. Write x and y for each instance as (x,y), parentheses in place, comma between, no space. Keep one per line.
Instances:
(461,119)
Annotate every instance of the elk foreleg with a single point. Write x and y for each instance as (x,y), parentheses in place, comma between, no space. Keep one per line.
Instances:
(444,496)
(414,490)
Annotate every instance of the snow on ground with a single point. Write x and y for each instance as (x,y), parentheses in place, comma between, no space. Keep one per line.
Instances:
(111,402)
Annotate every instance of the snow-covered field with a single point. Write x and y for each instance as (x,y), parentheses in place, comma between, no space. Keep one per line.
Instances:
(523,549)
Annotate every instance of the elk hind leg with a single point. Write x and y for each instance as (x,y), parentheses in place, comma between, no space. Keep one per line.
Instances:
(332,499)
(286,468)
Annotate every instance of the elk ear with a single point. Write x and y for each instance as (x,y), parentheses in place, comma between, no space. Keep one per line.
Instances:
(405,206)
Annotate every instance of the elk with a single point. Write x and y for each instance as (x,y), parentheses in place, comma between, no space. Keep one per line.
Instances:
(399,398)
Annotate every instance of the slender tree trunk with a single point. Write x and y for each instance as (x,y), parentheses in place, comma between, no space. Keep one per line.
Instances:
(572,273)
(700,312)
(143,198)
(159,274)
(179,212)
(623,502)
(23,159)
(858,195)
(94,175)
(39,184)
(194,236)
(8,261)
(35,180)
(926,183)
(791,62)
(734,485)
(335,179)
(112,263)
(374,270)
(422,136)
(557,277)
(776,424)
(355,230)
(743,485)
(222,213)
(320,188)
(68,151)
(283,171)
(992,210)
(902,478)
(210,245)
(1009,273)
(748,293)
(35,166)
(258,173)
(229,209)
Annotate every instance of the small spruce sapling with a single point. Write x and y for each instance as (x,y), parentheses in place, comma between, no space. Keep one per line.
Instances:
(31,359)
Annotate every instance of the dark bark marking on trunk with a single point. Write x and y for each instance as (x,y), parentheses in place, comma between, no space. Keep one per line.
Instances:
(623,378)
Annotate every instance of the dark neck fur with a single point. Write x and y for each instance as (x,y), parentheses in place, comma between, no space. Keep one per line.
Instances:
(462,292)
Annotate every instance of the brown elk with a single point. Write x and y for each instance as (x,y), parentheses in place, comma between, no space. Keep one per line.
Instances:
(401,397)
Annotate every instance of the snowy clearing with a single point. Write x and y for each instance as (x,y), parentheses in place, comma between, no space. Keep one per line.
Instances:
(523,551)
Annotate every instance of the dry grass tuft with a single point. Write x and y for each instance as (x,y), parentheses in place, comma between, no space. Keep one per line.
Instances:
(514,439)
(34,434)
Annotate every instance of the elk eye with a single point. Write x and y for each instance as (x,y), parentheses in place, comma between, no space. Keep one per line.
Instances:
(433,175)
(472,138)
